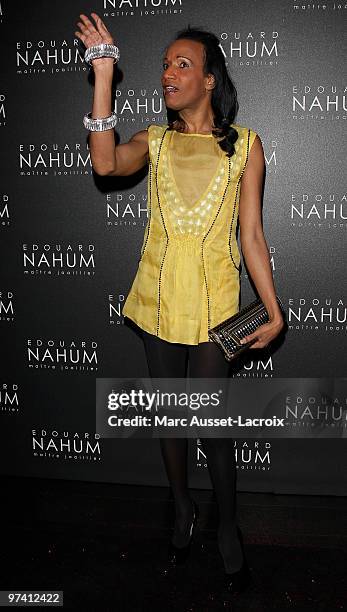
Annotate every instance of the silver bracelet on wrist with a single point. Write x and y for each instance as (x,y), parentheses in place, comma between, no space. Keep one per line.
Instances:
(99,125)
(101,50)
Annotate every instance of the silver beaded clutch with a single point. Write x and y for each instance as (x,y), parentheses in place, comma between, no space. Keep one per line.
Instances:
(227,335)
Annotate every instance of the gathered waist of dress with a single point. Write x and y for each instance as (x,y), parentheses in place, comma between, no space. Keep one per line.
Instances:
(190,243)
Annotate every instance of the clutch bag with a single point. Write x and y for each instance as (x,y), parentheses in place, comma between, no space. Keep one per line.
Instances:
(228,333)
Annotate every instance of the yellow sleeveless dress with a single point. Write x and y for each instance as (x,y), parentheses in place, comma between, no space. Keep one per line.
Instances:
(188,277)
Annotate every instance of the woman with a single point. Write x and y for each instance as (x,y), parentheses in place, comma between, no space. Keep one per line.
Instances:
(188,274)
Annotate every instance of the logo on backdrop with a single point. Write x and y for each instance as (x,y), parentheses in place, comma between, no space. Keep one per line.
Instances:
(115,305)
(270,154)
(2,110)
(49,57)
(126,210)
(255,368)
(62,355)
(251,455)
(4,211)
(9,401)
(319,411)
(7,312)
(250,48)
(317,314)
(53,260)
(65,445)
(141,8)
(318,102)
(307,8)
(53,159)
(319,210)
(143,105)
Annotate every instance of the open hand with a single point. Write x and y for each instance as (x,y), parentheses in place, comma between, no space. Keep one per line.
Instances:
(91,35)
(264,334)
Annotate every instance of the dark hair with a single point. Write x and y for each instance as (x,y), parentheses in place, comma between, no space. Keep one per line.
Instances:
(224,96)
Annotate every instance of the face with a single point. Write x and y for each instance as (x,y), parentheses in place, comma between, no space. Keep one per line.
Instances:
(183,80)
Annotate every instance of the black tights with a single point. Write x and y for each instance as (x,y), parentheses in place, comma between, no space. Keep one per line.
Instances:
(205,360)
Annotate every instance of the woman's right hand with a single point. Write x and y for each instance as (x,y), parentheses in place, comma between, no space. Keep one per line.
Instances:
(91,35)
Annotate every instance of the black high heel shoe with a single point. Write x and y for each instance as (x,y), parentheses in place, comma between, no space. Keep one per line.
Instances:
(176,555)
(238,581)
(235,582)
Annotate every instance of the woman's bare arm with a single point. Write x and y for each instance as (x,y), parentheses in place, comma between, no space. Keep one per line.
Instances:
(109,159)
(254,246)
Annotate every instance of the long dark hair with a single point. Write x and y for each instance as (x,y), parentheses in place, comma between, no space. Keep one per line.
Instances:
(224,101)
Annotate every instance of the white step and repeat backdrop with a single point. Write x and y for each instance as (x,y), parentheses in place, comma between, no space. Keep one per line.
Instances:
(70,240)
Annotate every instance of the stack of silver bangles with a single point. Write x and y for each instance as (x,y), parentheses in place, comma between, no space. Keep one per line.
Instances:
(99,125)
(101,50)
(94,52)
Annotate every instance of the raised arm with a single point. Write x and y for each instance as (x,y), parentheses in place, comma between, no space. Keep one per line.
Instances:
(109,159)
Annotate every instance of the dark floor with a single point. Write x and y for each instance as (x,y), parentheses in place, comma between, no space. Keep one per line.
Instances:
(104,545)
